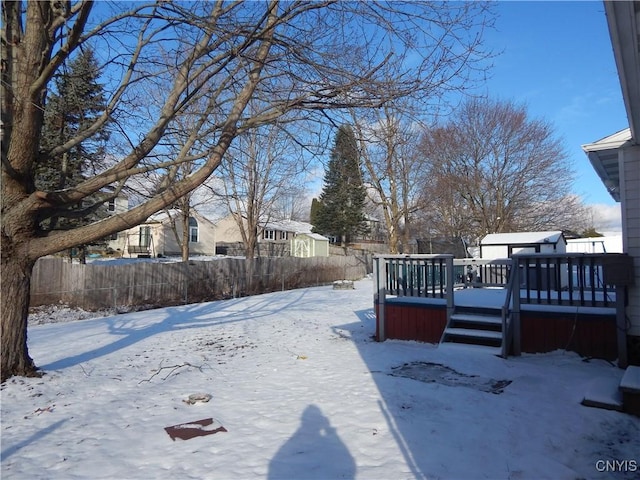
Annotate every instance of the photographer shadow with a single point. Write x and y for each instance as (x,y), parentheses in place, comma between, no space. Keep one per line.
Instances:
(314,451)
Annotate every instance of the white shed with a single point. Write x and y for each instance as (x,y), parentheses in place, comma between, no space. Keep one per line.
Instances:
(503,245)
(309,245)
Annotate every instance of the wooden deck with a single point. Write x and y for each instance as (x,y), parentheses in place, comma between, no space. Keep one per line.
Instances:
(530,303)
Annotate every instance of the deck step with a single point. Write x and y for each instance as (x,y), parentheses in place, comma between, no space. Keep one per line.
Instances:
(604,393)
(468,332)
(630,382)
(483,319)
(472,346)
(475,327)
(630,388)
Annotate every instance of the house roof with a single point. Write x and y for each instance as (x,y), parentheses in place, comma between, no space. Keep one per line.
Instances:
(164,216)
(623,19)
(522,238)
(315,236)
(288,226)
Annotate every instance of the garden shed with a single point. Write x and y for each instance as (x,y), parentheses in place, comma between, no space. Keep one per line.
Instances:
(309,245)
(504,245)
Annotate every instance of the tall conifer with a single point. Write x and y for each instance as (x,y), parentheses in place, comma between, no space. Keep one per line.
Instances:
(75,103)
(341,210)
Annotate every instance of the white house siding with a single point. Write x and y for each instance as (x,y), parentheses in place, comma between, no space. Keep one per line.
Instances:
(606,244)
(629,161)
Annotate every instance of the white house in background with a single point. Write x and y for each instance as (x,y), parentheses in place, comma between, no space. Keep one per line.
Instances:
(503,245)
(119,204)
(309,245)
(616,159)
(157,237)
(606,244)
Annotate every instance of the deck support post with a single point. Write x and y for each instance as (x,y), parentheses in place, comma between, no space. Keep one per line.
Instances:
(621,326)
(449,292)
(515,305)
(379,300)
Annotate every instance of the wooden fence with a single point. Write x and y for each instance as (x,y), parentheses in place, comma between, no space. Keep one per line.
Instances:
(146,284)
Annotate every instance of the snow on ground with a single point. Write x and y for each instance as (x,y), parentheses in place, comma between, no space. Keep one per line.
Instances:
(302,391)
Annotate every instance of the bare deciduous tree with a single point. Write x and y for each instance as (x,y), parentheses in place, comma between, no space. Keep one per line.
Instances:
(494,169)
(394,170)
(208,59)
(262,165)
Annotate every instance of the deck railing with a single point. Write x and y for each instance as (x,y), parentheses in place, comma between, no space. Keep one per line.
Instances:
(575,279)
(418,276)
(564,279)
(473,272)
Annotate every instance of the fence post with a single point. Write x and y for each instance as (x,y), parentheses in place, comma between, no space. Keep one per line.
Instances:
(186,281)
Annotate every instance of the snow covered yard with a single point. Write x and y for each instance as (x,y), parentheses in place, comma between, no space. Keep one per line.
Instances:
(303,392)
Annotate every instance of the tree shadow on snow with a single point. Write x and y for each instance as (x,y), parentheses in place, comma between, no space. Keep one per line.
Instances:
(5,454)
(129,329)
(314,451)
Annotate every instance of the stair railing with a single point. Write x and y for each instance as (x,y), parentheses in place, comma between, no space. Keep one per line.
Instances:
(507,333)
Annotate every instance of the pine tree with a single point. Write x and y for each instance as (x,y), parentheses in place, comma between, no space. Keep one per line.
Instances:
(315,210)
(341,203)
(72,107)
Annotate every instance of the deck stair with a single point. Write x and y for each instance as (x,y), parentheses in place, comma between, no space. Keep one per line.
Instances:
(610,393)
(475,326)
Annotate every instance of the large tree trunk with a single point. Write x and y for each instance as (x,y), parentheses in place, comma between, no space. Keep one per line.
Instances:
(16,290)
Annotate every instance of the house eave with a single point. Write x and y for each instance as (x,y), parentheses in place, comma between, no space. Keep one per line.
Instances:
(623,19)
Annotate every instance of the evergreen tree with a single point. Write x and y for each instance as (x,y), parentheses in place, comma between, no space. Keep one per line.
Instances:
(71,108)
(315,209)
(341,204)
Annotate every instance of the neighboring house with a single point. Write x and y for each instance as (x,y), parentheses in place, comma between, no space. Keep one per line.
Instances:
(227,230)
(376,231)
(275,237)
(114,206)
(156,237)
(376,234)
(606,244)
(120,204)
(504,245)
(282,230)
(616,158)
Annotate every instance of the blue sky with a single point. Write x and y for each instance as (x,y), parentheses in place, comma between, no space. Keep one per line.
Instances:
(557,59)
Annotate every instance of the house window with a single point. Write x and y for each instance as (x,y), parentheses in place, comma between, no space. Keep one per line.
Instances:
(144,236)
(283,235)
(193,230)
(269,234)
(111,207)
